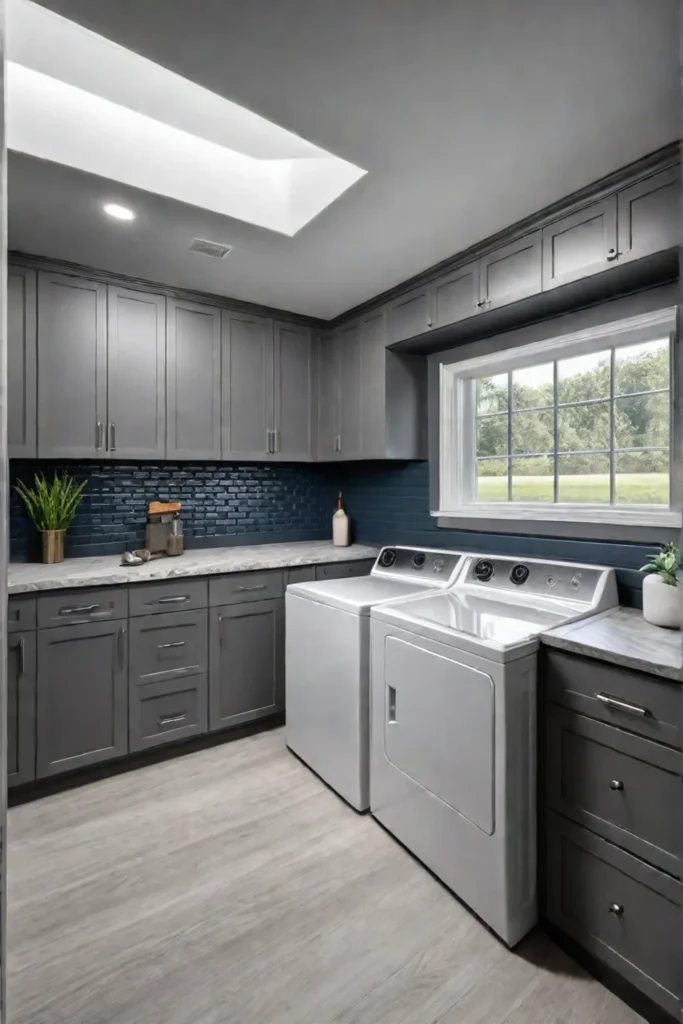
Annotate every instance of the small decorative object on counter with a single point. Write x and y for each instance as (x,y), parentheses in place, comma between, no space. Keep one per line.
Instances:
(164,532)
(340,526)
(662,591)
(52,507)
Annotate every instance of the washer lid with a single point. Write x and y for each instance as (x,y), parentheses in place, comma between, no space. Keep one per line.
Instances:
(356,594)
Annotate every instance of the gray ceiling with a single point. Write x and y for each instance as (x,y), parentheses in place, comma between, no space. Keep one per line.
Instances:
(467,114)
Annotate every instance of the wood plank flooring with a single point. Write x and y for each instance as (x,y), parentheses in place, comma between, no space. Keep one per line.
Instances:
(230,885)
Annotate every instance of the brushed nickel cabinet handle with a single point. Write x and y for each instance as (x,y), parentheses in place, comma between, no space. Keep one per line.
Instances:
(99,436)
(22,656)
(242,590)
(480,305)
(82,609)
(623,705)
(612,254)
(269,446)
(616,784)
(180,599)
(176,643)
(168,719)
(616,909)
(112,437)
(276,442)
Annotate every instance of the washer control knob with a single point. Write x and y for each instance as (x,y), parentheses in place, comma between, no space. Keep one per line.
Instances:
(575,582)
(519,574)
(419,559)
(387,558)
(484,570)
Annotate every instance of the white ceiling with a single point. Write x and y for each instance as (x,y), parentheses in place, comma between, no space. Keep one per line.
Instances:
(467,115)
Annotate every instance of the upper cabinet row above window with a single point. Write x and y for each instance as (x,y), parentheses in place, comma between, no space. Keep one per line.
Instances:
(638,221)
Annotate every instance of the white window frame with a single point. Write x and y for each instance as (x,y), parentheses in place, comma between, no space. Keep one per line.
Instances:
(457,427)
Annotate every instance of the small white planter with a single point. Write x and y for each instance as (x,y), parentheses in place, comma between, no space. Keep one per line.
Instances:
(662,603)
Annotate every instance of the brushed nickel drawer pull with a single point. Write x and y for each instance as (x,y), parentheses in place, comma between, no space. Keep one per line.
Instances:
(176,643)
(243,590)
(22,656)
(623,705)
(616,909)
(82,609)
(168,719)
(616,784)
(172,600)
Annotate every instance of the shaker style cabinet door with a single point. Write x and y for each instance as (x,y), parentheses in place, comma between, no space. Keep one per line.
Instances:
(582,244)
(21,708)
(349,443)
(293,393)
(72,366)
(511,273)
(328,398)
(649,215)
(247,391)
(193,381)
(373,409)
(136,377)
(410,315)
(456,295)
(22,382)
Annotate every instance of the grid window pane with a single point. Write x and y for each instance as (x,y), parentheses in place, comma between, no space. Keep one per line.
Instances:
(583,378)
(532,432)
(492,394)
(533,479)
(641,367)
(492,480)
(641,478)
(533,386)
(583,479)
(582,428)
(642,421)
(492,435)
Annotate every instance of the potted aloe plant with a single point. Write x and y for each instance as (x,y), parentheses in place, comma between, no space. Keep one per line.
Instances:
(52,507)
(662,588)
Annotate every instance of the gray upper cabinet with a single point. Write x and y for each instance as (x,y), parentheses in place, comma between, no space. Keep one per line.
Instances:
(581,244)
(247,391)
(328,397)
(22,383)
(511,272)
(349,436)
(72,366)
(136,374)
(374,356)
(193,381)
(649,215)
(21,708)
(293,393)
(410,315)
(455,296)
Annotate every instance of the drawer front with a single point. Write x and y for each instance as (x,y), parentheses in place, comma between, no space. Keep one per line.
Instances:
(72,606)
(619,909)
(168,646)
(164,712)
(169,596)
(631,700)
(21,614)
(619,785)
(340,570)
(246,586)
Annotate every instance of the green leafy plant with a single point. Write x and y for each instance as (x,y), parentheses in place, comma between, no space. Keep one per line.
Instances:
(666,563)
(51,506)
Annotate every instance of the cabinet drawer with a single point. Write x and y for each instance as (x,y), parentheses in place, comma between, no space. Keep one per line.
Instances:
(163,712)
(246,586)
(97,605)
(168,646)
(619,785)
(21,614)
(622,911)
(599,690)
(340,570)
(169,596)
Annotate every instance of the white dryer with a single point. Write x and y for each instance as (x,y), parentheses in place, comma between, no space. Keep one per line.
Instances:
(327,659)
(453,764)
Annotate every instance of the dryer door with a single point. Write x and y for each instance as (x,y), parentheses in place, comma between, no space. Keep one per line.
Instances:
(439,726)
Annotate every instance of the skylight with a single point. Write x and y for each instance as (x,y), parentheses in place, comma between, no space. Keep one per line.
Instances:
(79,99)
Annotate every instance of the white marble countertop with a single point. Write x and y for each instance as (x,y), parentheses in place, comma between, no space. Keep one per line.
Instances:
(623,637)
(28,577)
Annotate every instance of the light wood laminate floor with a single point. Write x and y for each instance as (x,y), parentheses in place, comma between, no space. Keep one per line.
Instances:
(231,885)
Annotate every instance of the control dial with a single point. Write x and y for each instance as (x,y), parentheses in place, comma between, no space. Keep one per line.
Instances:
(387,558)
(483,570)
(419,559)
(519,573)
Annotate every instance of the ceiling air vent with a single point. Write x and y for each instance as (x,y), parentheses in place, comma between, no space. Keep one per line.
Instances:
(217,250)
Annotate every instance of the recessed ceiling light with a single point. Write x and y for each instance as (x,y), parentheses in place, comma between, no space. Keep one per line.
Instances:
(120,212)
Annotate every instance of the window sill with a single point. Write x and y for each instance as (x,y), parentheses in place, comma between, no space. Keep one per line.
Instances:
(649,517)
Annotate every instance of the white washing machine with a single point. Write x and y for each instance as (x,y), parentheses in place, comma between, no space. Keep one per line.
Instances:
(453,761)
(327,661)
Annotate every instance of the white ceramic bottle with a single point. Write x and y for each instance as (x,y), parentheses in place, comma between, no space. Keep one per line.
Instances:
(340,526)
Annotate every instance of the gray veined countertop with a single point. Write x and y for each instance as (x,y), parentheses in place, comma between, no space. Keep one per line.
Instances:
(623,637)
(106,570)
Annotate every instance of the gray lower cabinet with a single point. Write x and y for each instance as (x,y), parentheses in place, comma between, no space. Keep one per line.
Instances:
(293,385)
(82,695)
(246,662)
(22,363)
(581,244)
(247,390)
(21,708)
(167,711)
(193,381)
(512,272)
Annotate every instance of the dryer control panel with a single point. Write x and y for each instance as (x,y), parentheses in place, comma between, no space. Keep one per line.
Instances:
(433,566)
(536,578)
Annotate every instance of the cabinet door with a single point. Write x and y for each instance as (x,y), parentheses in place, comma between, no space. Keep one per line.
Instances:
(582,244)
(21,708)
(82,695)
(247,385)
(72,366)
(328,398)
(648,215)
(21,363)
(246,662)
(136,374)
(373,334)
(512,272)
(193,381)
(410,315)
(456,295)
(350,391)
(293,375)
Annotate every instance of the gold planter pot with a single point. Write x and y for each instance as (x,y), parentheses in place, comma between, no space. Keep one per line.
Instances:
(53,546)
